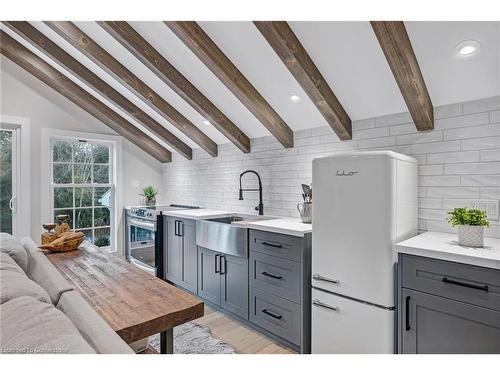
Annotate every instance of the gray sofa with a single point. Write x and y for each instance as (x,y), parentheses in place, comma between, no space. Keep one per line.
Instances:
(41,313)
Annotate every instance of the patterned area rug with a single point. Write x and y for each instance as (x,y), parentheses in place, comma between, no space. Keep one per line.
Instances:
(193,338)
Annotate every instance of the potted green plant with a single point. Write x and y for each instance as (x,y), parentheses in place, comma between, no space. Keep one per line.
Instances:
(470,223)
(150,193)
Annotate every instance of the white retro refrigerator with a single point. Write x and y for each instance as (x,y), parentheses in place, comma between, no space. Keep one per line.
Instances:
(364,203)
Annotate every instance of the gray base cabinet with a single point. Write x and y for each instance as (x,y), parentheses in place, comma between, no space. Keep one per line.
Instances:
(208,275)
(223,280)
(280,286)
(181,252)
(234,285)
(447,307)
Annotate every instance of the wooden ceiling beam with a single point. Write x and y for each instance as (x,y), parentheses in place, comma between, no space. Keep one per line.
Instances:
(398,51)
(154,60)
(40,41)
(86,45)
(42,70)
(287,46)
(212,56)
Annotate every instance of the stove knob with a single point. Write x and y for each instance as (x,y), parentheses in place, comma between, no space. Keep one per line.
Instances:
(150,214)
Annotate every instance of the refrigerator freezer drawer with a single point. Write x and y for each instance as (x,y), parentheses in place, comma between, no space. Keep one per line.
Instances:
(344,326)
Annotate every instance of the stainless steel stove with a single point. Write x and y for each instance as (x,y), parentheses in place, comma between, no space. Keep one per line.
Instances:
(143,245)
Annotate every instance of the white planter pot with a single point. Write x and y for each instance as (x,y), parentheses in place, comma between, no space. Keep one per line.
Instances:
(471,235)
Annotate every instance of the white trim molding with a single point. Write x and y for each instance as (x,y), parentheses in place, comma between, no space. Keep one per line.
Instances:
(23,174)
(47,135)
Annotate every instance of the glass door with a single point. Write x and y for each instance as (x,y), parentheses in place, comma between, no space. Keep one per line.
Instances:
(8,170)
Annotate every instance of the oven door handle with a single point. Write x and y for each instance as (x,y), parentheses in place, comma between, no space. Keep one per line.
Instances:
(142,224)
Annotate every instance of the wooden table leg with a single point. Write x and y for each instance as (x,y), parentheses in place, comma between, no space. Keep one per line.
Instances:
(167,342)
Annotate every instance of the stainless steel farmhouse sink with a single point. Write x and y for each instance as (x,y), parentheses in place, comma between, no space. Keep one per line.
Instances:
(226,234)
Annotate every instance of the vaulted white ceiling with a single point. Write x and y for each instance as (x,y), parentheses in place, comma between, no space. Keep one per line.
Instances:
(347,54)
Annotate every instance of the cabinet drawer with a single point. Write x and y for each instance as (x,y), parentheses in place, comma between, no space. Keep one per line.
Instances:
(279,245)
(275,275)
(276,315)
(462,282)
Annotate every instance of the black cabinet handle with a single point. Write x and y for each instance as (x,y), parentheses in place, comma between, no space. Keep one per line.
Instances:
(465,285)
(181,228)
(271,314)
(271,275)
(175,227)
(407,313)
(217,264)
(222,264)
(272,244)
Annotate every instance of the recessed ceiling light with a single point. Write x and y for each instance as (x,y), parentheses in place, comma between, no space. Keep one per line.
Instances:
(206,122)
(295,98)
(467,48)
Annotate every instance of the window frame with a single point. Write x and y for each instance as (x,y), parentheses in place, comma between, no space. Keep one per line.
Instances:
(115,157)
(74,185)
(22,184)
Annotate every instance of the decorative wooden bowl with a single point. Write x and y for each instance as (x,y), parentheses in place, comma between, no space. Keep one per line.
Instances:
(69,244)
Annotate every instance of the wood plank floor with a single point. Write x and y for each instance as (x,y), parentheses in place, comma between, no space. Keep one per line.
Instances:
(243,339)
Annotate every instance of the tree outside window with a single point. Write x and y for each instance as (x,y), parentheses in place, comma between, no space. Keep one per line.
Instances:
(82,187)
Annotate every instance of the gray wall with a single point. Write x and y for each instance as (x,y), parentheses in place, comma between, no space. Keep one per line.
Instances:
(459,161)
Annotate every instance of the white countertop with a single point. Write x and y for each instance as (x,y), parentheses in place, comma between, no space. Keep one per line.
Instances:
(197,213)
(445,246)
(284,225)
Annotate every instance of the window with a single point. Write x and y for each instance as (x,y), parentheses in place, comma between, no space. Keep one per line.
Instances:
(83,187)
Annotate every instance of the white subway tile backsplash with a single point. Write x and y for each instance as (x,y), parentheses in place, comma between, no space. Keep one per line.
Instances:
(453,157)
(451,110)
(480,180)
(435,203)
(482,105)
(435,147)
(481,143)
(472,132)
(490,193)
(439,181)
(430,170)
(396,119)
(450,204)
(371,133)
(459,162)
(490,155)
(420,137)
(494,117)
(363,124)
(377,142)
(453,192)
(462,121)
(472,168)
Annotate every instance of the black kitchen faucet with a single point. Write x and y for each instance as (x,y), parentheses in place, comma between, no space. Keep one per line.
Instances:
(260,207)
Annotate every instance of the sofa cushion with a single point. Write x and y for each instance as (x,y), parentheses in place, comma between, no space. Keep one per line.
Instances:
(30,326)
(7,263)
(43,272)
(16,284)
(101,337)
(15,249)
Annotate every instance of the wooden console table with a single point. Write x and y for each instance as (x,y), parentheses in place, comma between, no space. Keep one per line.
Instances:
(134,303)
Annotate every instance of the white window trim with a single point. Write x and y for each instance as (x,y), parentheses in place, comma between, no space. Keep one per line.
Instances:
(22,181)
(46,160)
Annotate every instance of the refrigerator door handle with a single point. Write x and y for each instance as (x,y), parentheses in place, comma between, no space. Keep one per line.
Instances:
(318,277)
(317,302)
